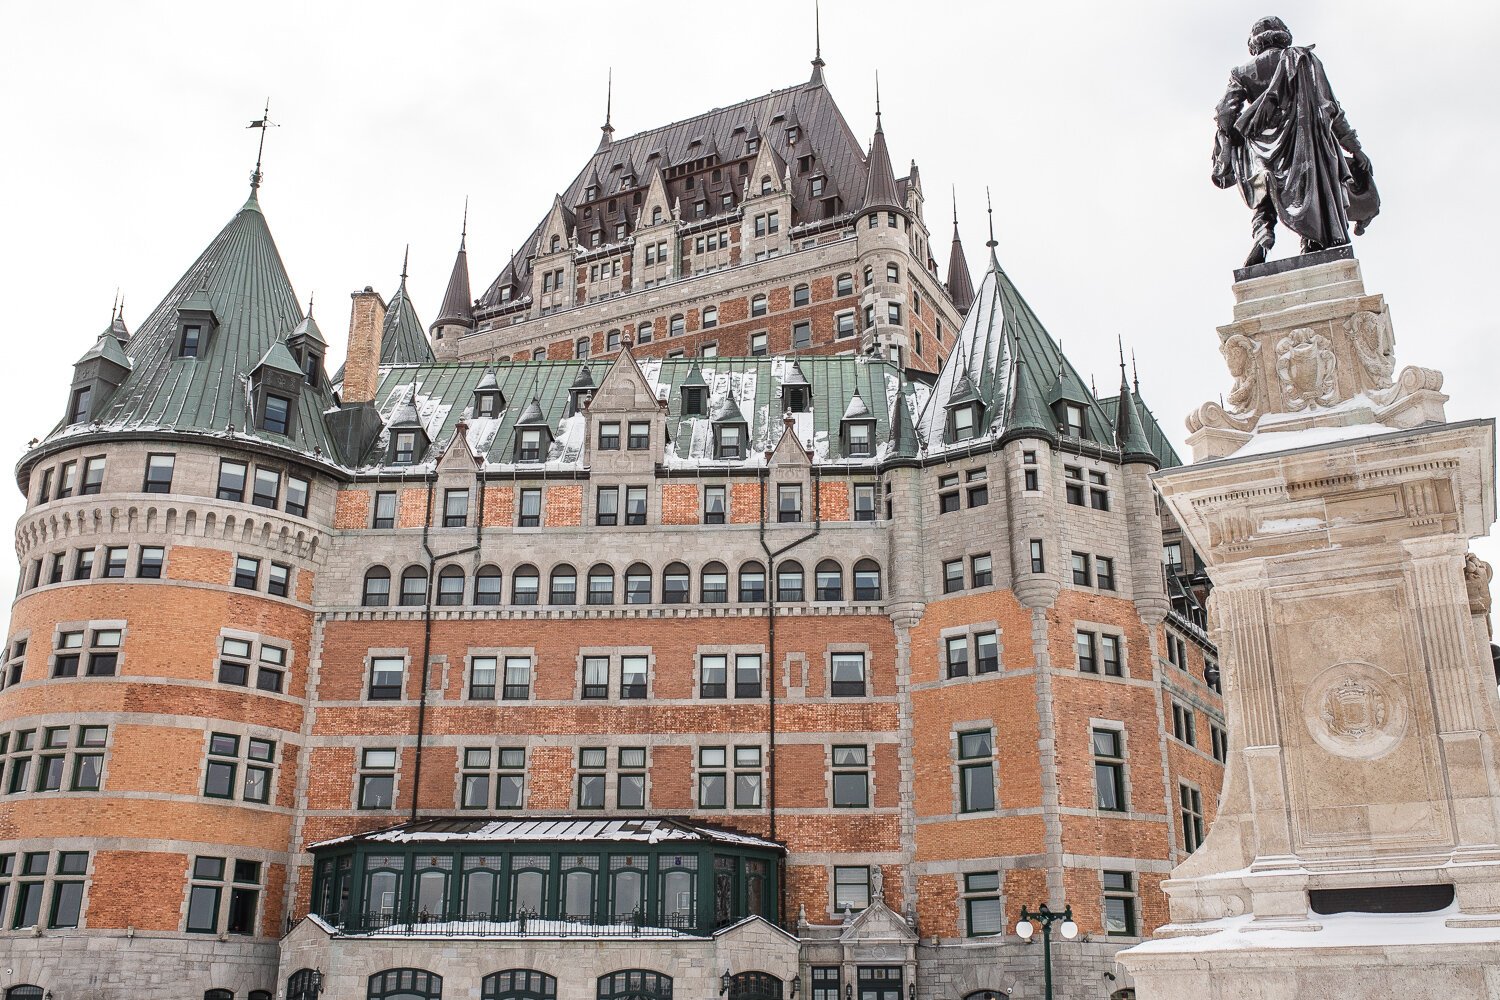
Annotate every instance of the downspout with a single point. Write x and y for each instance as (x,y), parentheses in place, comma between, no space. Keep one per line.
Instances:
(772,670)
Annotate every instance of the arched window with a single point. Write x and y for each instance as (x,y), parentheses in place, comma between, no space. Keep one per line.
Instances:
(752,582)
(555,244)
(789,581)
(518,984)
(758,305)
(656,216)
(844,284)
(524,585)
(765,184)
(430,887)
(635,984)
(801,295)
(715,584)
(754,986)
(487,589)
(676,584)
(377,587)
(405,984)
(413,587)
(601,584)
(218,995)
(303,985)
(259,995)
(830,581)
(564,589)
(450,586)
(25,992)
(676,326)
(643,332)
(638,584)
(867,580)
(710,317)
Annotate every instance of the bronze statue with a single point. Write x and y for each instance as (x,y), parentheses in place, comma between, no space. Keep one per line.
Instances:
(1283,140)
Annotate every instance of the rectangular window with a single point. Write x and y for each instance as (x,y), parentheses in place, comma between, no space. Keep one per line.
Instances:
(953,576)
(638,437)
(596,677)
(864,502)
(270,674)
(115,559)
(517,678)
(712,674)
(1119,904)
(714,504)
(1219,737)
(630,778)
(976,771)
(981,570)
(788,503)
(387,677)
(592,764)
(825,983)
(43,494)
(455,508)
(633,671)
(843,325)
(93,476)
(279,580)
(802,334)
(267,487)
(1087,644)
(67,480)
(948,494)
(1104,573)
(609,436)
(848,675)
(148,566)
(66,657)
(1171,555)
(159,473)
(1038,560)
(83,565)
(474,782)
(529,511)
(607,505)
(510,779)
(713,763)
(247,573)
(851,777)
(978,488)
(1081,576)
(377,778)
(1109,655)
(296,496)
(851,887)
(385,509)
(1192,816)
(747,675)
(1183,726)
(104,654)
(956,650)
(232,480)
(982,904)
(1109,770)
(635,505)
(1098,494)
(204,893)
(759,344)
(986,653)
(482,676)
(1073,484)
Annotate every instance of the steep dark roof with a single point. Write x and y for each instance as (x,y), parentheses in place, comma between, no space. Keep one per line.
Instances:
(824,133)
(1151,431)
(880,178)
(403,338)
(458,305)
(241,279)
(960,284)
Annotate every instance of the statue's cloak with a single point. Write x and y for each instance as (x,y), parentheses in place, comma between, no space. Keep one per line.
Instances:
(1289,147)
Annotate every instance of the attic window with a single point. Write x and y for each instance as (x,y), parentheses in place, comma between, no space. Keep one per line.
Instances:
(656,216)
(1073,419)
(729,441)
(277,417)
(82,400)
(505,295)
(590,192)
(793,134)
(556,243)
(192,334)
(529,447)
(817,187)
(311,365)
(752,145)
(860,437)
(404,448)
(965,422)
(797,398)
(486,404)
(765,184)
(693,398)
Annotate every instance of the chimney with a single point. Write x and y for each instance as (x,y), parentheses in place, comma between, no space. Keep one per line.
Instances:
(362,363)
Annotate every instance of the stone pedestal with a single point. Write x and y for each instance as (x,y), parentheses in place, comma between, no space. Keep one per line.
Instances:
(1334,505)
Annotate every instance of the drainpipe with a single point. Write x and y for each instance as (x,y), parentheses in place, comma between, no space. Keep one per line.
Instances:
(771,672)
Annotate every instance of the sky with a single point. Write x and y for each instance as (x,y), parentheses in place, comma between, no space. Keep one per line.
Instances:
(1090,124)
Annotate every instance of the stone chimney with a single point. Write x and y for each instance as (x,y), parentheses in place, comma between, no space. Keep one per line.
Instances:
(362,365)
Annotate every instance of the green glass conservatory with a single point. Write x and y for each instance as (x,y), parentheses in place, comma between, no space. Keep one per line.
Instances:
(555,876)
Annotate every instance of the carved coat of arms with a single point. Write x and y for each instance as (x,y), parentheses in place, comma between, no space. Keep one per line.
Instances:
(1306,364)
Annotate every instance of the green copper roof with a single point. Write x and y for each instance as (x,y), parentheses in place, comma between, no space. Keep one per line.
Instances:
(241,280)
(403,338)
(108,348)
(1028,414)
(280,358)
(1130,436)
(1150,431)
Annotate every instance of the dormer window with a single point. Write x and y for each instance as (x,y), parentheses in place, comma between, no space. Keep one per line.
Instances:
(965,422)
(487,404)
(505,295)
(555,245)
(529,446)
(656,216)
(765,184)
(404,447)
(752,145)
(277,417)
(188,343)
(729,441)
(590,193)
(797,398)
(793,134)
(859,439)
(1073,419)
(694,399)
(311,366)
(817,187)
(83,397)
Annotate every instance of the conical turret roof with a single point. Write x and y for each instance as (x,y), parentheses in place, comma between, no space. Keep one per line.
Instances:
(960,284)
(1130,434)
(880,183)
(458,304)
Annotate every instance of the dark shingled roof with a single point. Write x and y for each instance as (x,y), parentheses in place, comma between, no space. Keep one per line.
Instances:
(960,285)
(1150,430)
(403,338)
(824,134)
(458,305)
(880,178)
(241,279)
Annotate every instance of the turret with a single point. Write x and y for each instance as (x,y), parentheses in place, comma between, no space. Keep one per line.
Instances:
(456,317)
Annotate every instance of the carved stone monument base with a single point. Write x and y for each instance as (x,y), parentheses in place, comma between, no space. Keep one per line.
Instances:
(1334,508)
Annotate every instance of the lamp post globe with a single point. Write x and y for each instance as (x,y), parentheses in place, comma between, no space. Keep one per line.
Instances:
(1025,929)
(1069,930)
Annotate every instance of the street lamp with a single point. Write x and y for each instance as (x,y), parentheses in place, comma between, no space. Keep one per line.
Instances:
(1045,917)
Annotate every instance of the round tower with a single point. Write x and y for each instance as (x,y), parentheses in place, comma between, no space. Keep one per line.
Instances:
(155,679)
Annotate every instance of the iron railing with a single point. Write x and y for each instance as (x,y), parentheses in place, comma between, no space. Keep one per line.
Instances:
(522,924)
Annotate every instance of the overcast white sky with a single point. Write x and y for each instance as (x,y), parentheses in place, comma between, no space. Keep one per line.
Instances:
(126,151)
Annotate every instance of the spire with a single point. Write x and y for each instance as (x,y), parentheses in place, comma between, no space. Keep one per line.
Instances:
(1135,375)
(406,254)
(607,130)
(880,180)
(458,304)
(263,122)
(990,209)
(1130,435)
(960,284)
(817,63)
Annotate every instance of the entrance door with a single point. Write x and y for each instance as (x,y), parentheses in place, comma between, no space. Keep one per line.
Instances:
(879,982)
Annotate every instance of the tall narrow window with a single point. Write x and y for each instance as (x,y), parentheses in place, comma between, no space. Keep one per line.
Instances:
(1119,904)
(976,771)
(747,679)
(385,510)
(851,777)
(159,473)
(1192,816)
(1109,770)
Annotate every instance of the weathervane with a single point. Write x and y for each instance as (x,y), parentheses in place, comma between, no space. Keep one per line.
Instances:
(263,122)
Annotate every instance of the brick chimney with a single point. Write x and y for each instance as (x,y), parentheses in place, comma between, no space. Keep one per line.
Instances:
(362,365)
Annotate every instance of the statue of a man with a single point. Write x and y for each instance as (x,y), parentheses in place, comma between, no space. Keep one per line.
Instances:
(1283,138)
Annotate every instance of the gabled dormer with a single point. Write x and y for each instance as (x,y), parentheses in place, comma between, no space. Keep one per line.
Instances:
(275,386)
(796,391)
(857,429)
(96,376)
(488,400)
(965,410)
(580,391)
(408,438)
(309,348)
(731,430)
(694,393)
(767,173)
(196,323)
(555,237)
(533,438)
(1069,403)
(656,207)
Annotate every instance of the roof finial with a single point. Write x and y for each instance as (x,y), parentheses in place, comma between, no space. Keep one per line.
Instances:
(114,310)
(607,130)
(463,236)
(1135,375)
(877,100)
(263,122)
(990,208)
(406,255)
(955,208)
(817,35)
(310,297)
